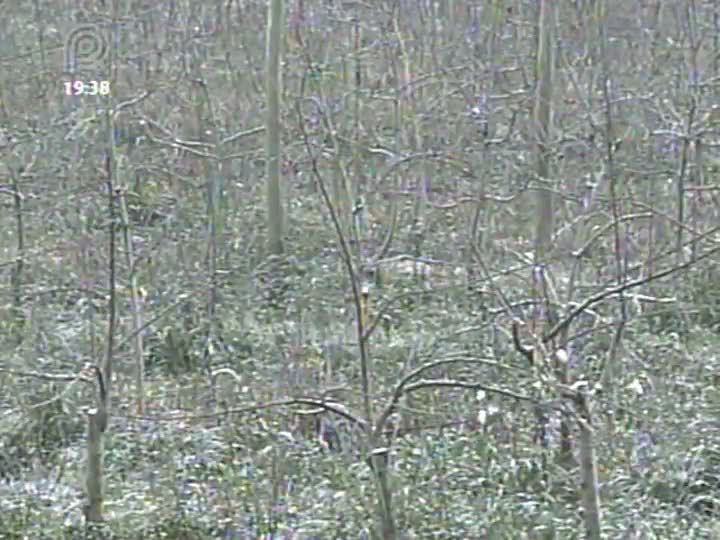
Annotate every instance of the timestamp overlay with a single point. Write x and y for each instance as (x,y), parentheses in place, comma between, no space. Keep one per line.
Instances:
(86,47)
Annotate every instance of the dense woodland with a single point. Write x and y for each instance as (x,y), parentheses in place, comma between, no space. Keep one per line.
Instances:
(394,270)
